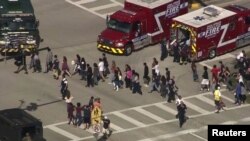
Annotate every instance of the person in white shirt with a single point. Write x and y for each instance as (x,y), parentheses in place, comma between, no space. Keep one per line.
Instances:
(101,69)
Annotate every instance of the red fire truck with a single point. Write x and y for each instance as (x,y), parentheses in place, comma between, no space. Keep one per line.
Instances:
(212,30)
(138,24)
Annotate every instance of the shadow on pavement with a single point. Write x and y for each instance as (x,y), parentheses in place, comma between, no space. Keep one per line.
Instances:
(33,106)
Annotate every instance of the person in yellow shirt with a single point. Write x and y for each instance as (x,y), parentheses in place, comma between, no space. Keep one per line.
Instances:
(217,98)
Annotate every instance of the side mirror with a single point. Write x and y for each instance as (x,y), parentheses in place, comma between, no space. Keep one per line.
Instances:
(107,19)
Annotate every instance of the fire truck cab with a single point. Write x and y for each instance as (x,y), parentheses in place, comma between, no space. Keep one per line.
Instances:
(212,31)
(138,24)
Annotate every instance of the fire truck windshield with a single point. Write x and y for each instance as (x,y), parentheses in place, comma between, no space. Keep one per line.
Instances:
(119,26)
(17,25)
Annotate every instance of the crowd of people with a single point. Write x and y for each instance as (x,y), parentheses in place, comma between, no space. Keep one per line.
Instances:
(161,82)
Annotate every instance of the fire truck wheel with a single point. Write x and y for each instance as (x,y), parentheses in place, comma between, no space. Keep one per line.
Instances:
(128,50)
(212,54)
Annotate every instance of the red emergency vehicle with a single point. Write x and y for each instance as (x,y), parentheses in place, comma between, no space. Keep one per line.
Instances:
(212,30)
(138,24)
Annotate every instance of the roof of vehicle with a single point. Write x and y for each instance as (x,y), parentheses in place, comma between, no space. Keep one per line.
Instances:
(17,117)
(236,8)
(151,4)
(204,16)
(18,7)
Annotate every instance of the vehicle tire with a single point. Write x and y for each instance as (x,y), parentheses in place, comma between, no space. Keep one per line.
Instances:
(128,50)
(212,54)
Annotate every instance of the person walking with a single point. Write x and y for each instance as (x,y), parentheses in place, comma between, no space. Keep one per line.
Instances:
(79,117)
(128,76)
(49,61)
(217,98)
(167,74)
(205,80)
(20,62)
(91,102)
(95,74)
(164,52)
(181,115)
(65,67)
(83,65)
(56,69)
(37,63)
(238,93)
(194,71)
(64,87)
(101,69)
(86,116)
(89,76)
(106,65)
(215,73)
(106,126)
(70,111)
(176,52)
(145,75)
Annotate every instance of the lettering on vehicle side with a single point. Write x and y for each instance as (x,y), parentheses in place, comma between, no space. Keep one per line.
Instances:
(173,9)
(213,29)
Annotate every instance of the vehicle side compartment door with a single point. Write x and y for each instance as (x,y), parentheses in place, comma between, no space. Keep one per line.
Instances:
(141,38)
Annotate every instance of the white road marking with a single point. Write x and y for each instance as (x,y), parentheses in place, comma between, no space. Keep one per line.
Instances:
(167,121)
(104,7)
(84,1)
(118,3)
(56,124)
(196,108)
(190,131)
(146,113)
(63,132)
(166,108)
(95,9)
(245,119)
(129,119)
(86,9)
(197,136)
(227,98)
(225,56)
(142,106)
(183,132)
(117,128)
(206,100)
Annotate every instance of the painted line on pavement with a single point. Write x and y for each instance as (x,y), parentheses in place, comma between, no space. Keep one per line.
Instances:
(86,9)
(118,3)
(129,119)
(206,100)
(104,7)
(197,136)
(149,114)
(142,106)
(196,108)
(225,56)
(227,98)
(167,121)
(166,108)
(190,131)
(117,128)
(84,1)
(63,132)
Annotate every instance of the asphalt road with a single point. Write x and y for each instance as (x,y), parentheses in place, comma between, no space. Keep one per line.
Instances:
(71,27)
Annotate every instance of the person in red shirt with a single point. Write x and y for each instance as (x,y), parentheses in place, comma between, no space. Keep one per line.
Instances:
(215,72)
